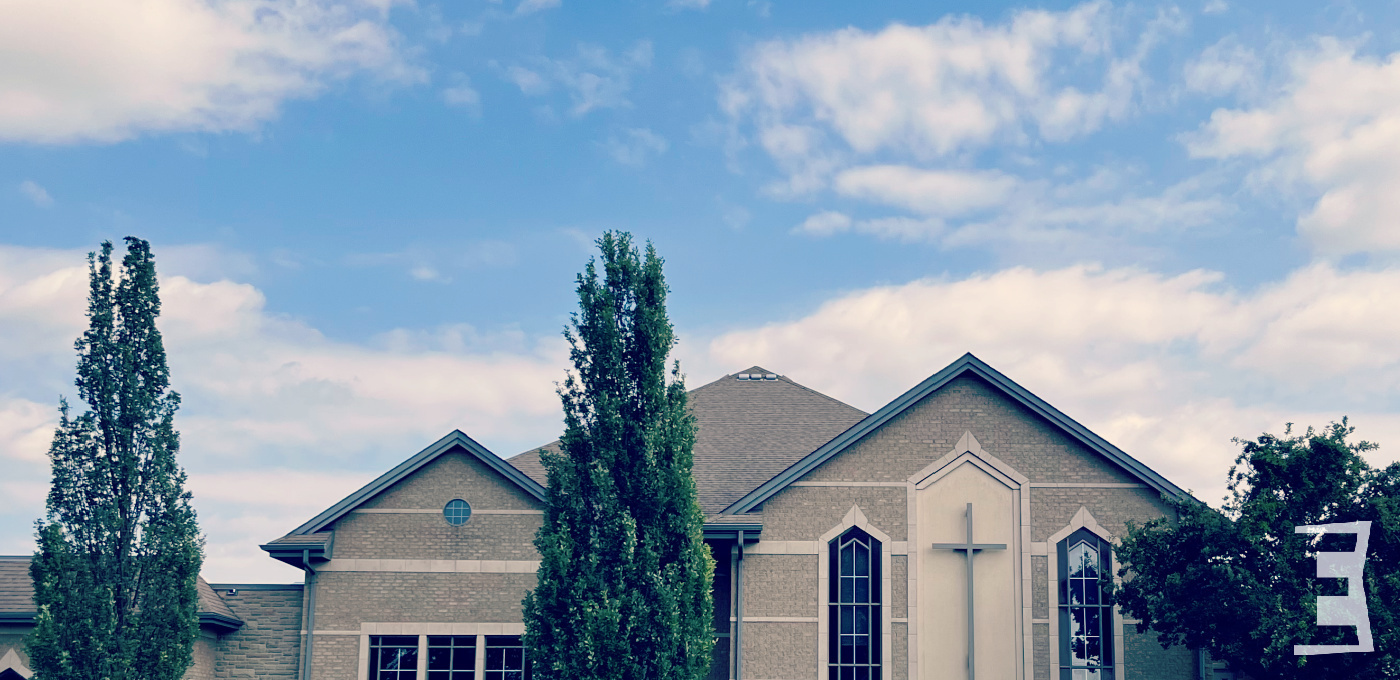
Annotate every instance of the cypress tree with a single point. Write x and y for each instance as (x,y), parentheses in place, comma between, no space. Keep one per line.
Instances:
(115,573)
(624,579)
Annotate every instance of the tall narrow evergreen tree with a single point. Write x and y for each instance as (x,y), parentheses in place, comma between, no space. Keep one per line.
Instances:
(624,578)
(119,551)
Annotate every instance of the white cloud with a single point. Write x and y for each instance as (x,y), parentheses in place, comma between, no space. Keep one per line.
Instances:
(264,392)
(688,4)
(824,223)
(462,94)
(594,77)
(636,146)
(931,192)
(938,89)
(532,6)
(1331,132)
(1223,68)
(39,195)
(1168,367)
(86,70)
(1215,7)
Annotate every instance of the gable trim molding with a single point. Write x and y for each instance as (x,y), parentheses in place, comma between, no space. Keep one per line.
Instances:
(967,364)
(454,440)
(11,662)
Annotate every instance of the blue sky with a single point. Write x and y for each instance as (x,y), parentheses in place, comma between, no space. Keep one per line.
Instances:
(1174,221)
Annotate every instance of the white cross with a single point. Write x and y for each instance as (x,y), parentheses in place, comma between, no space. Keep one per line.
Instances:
(969,547)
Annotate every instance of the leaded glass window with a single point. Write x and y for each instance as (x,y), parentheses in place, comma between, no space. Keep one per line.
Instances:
(505,658)
(451,657)
(393,657)
(1086,619)
(854,607)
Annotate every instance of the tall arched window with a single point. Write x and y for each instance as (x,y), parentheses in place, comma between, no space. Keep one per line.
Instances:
(854,601)
(1086,620)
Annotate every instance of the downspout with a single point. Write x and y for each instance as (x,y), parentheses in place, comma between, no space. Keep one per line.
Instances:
(310,613)
(739,610)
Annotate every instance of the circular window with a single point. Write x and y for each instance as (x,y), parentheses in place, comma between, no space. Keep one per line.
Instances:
(457,512)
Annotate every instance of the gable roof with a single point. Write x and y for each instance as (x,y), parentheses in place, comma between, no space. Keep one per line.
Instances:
(967,364)
(751,425)
(455,440)
(17,597)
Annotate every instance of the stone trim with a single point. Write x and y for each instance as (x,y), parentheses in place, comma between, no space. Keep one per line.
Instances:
(434,566)
(848,484)
(810,548)
(969,450)
(438,511)
(855,518)
(1081,520)
(1088,485)
(11,662)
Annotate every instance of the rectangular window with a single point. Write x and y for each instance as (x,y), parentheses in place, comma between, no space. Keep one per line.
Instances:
(393,657)
(505,658)
(451,657)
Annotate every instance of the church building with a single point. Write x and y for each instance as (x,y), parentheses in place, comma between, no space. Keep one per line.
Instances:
(958,533)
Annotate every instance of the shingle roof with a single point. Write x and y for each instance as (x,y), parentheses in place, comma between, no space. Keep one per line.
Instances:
(17,591)
(748,431)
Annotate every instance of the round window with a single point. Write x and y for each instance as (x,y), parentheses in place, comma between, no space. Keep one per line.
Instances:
(457,512)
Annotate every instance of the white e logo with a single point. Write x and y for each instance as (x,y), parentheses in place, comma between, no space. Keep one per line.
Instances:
(1342,610)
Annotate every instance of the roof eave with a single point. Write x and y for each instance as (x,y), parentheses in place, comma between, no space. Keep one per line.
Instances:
(225,624)
(965,364)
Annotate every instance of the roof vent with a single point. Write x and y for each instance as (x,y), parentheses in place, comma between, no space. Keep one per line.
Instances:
(742,376)
(770,376)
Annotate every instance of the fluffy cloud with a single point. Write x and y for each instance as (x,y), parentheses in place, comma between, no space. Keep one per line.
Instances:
(1331,131)
(1169,368)
(937,89)
(265,397)
(86,70)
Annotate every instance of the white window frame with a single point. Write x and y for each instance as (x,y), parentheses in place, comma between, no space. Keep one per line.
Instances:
(853,518)
(423,630)
(1082,520)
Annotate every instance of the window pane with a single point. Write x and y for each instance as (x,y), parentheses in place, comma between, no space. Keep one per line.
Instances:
(1091,592)
(1076,561)
(1076,621)
(862,647)
(863,673)
(862,620)
(862,561)
(439,659)
(1077,650)
(862,590)
(848,653)
(848,673)
(1091,562)
(1091,651)
(847,620)
(848,589)
(1076,591)
(848,560)
(1091,621)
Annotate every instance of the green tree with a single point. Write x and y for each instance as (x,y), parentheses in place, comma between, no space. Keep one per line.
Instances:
(115,573)
(1242,584)
(624,578)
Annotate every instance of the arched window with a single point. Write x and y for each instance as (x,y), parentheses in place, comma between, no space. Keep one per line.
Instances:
(1086,620)
(854,601)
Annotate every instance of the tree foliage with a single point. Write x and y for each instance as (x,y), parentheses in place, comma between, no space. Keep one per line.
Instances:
(1242,584)
(115,573)
(624,579)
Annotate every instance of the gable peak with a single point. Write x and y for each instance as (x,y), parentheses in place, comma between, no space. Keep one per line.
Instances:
(755,373)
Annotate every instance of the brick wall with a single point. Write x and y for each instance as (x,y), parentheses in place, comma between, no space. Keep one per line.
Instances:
(454,475)
(780,585)
(804,513)
(430,537)
(269,643)
(204,657)
(346,599)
